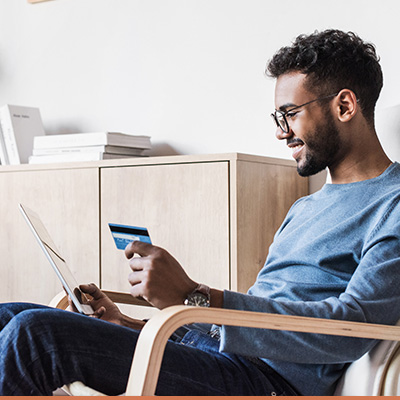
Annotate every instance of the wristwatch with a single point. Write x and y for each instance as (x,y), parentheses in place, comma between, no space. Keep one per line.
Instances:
(200,297)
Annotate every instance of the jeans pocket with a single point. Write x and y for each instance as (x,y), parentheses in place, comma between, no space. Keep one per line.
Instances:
(201,341)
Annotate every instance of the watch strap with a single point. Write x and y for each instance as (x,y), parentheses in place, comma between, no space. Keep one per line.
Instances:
(202,290)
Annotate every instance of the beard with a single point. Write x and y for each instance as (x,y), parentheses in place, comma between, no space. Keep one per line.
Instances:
(321,150)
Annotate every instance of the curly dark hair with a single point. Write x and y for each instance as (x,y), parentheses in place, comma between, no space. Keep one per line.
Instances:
(333,60)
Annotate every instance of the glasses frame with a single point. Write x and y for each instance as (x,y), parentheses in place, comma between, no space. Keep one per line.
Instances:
(283,114)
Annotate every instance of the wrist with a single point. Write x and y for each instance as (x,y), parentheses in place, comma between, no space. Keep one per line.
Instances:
(216,298)
(206,296)
(132,323)
(199,297)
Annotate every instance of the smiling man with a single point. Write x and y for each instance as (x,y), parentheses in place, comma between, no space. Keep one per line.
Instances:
(335,256)
(326,90)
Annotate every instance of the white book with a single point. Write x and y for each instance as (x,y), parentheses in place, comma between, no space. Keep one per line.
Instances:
(20,125)
(92,139)
(132,151)
(3,152)
(74,157)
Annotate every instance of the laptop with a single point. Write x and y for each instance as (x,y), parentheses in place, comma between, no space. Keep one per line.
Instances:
(56,260)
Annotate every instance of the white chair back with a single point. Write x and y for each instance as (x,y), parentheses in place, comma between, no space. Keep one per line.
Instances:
(374,374)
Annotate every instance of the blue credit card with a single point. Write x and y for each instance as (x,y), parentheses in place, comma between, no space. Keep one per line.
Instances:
(125,234)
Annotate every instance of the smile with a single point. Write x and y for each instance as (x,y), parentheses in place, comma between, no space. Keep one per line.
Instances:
(296,147)
(296,150)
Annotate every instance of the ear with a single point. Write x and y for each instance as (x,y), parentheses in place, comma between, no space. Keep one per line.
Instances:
(346,105)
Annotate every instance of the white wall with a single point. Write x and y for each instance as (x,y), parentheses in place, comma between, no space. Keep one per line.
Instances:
(189,73)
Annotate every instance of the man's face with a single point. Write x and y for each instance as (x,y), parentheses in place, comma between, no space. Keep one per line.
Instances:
(313,135)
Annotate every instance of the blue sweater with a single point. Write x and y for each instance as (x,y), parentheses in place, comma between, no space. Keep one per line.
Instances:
(336,256)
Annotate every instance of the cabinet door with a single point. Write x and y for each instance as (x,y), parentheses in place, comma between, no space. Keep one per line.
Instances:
(186,210)
(67,203)
(264,193)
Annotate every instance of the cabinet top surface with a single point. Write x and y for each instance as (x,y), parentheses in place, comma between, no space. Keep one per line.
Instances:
(158,160)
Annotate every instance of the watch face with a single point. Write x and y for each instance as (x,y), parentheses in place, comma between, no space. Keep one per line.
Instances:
(197,299)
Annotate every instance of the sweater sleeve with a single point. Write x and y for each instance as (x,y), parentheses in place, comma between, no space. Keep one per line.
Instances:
(372,295)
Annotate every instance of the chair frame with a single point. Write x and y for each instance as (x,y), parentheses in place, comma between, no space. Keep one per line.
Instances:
(155,334)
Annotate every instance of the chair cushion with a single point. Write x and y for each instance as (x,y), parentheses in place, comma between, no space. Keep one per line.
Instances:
(366,376)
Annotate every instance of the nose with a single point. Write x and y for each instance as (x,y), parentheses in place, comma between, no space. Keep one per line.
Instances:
(281,135)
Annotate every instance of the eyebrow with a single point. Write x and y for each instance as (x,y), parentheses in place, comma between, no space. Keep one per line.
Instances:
(285,106)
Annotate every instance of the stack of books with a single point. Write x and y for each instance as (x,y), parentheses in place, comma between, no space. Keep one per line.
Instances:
(87,147)
(18,126)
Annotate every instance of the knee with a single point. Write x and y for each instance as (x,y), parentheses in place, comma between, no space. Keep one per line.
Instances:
(10,310)
(30,329)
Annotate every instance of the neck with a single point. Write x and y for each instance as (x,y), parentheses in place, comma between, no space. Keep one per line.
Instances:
(367,160)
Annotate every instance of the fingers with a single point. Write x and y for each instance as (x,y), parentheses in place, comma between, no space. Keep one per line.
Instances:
(137,263)
(92,290)
(137,292)
(141,248)
(99,312)
(156,275)
(135,277)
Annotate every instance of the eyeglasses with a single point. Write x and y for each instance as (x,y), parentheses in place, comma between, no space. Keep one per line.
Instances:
(280,116)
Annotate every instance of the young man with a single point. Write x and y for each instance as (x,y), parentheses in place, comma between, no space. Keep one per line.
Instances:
(335,256)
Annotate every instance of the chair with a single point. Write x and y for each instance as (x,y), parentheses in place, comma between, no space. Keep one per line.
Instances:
(375,374)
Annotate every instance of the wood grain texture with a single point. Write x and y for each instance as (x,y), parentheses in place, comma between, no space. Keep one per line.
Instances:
(67,202)
(185,208)
(261,195)
(60,300)
(216,214)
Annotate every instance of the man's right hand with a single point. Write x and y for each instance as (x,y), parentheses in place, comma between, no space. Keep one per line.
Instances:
(105,309)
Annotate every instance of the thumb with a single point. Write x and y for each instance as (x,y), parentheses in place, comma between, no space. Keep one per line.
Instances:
(92,290)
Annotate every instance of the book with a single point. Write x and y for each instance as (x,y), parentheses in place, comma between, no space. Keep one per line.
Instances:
(19,126)
(132,151)
(75,157)
(3,152)
(92,139)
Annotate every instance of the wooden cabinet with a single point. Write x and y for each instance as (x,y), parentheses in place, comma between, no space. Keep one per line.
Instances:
(185,208)
(67,201)
(216,214)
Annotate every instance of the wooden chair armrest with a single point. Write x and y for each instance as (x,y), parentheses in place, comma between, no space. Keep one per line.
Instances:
(155,334)
(60,300)
(125,298)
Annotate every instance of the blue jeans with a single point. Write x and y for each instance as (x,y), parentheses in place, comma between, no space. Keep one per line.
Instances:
(42,349)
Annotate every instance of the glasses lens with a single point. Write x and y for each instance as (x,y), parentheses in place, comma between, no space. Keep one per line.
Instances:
(281,121)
